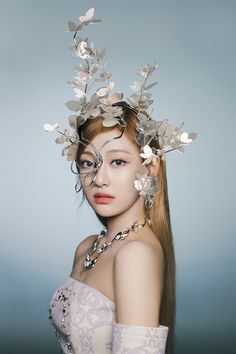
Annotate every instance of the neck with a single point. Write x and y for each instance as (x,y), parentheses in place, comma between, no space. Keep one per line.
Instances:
(125,220)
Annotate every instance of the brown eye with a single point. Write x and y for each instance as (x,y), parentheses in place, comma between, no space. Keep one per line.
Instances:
(86,164)
(119,162)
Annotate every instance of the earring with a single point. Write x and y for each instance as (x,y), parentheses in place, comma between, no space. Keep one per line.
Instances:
(146,186)
(148,202)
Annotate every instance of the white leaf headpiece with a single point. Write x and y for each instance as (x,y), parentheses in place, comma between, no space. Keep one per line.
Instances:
(109,106)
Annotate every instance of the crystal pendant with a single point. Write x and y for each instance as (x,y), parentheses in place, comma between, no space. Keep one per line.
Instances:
(88,263)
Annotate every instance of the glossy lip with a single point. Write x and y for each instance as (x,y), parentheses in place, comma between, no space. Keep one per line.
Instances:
(103,195)
(102,200)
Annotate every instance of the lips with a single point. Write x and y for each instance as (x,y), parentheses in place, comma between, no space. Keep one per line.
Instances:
(103,198)
(103,195)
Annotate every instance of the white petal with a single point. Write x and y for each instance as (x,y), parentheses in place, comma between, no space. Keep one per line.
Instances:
(95,112)
(137,185)
(90,13)
(147,150)
(184,138)
(146,162)
(116,97)
(142,73)
(109,122)
(79,93)
(88,16)
(111,85)
(136,86)
(102,91)
(72,120)
(82,47)
(143,156)
(104,101)
(50,127)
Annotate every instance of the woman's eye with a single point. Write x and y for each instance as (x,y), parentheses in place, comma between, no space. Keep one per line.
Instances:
(86,163)
(118,162)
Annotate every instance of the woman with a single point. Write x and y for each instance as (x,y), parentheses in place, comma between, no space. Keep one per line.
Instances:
(120,295)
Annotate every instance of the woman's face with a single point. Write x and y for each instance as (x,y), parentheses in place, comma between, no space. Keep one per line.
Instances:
(115,177)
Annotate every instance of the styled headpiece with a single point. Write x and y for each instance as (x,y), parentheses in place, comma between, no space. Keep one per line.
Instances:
(110,107)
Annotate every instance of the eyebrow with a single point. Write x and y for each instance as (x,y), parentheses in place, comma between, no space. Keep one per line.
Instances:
(114,150)
(119,150)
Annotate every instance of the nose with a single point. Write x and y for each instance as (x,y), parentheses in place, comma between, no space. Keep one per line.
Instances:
(102,177)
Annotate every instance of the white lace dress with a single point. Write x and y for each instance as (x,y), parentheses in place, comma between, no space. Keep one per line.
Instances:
(84,322)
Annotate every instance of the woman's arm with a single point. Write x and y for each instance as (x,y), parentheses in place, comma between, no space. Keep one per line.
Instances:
(138,284)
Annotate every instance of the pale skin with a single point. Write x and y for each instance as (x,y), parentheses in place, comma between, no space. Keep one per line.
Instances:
(131,272)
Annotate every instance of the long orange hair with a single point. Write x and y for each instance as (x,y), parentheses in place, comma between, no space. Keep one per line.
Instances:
(160,217)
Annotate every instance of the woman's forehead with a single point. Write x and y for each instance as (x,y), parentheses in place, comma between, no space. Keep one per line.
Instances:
(111,141)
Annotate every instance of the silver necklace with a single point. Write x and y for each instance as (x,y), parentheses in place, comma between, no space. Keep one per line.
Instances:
(121,235)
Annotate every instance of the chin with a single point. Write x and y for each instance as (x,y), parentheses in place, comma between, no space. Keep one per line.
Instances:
(107,212)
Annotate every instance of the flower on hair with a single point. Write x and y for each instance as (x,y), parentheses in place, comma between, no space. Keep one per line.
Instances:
(103,77)
(149,156)
(148,70)
(70,151)
(141,99)
(187,138)
(113,98)
(111,116)
(172,138)
(79,93)
(83,75)
(147,130)
(83,50)
(103,91)
(161,154)
(144,184)
(85,20)
(111,113)
(88,18)
(93,71)
(63,138)
(141,102)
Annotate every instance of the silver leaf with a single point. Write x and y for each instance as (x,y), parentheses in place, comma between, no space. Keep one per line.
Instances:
(150,86)
(71,26)
(73,105)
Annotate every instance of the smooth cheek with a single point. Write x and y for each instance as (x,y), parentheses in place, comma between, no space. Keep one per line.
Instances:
(122,187)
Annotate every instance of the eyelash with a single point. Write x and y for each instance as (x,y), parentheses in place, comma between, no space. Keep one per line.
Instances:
(124,162)
(82,163)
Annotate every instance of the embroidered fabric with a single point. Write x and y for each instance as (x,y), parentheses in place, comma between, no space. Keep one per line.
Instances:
(138,339)
(84,323)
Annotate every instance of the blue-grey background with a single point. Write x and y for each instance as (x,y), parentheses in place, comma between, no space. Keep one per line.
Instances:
(41,222)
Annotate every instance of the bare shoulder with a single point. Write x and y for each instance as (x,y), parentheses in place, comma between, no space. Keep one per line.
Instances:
(83,246)
(141,251)
(138,283)
(141,246)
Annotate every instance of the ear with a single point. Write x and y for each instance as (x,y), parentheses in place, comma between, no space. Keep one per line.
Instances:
(153,169)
